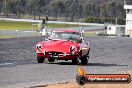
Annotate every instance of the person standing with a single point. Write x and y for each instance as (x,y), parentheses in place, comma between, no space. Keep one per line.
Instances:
(42,26)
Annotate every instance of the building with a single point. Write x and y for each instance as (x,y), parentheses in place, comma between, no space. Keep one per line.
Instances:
(117,30)
(128,8)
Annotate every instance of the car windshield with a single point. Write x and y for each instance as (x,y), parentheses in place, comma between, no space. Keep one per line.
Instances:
(64,36)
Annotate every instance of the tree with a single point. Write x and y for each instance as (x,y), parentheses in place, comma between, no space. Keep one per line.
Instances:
(57,8)
(1,6)
(70,9)
(103,11)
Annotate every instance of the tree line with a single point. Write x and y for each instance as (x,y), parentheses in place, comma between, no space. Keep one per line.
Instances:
(71,10)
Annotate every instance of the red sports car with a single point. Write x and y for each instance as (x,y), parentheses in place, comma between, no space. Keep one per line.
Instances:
(64,45)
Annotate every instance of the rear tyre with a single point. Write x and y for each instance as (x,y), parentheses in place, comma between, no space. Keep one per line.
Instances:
(40,59)
(51,60)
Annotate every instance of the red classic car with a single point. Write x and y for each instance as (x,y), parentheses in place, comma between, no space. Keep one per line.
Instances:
(64,45)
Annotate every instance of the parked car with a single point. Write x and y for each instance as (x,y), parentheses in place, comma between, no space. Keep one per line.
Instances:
(64,45)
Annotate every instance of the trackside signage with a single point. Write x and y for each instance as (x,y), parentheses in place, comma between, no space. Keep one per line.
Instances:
(83,78)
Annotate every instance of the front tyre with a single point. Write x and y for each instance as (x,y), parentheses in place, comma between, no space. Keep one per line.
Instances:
(75,61)
(84,59)
(40,59)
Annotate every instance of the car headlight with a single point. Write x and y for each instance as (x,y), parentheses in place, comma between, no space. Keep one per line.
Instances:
(39,46)
(73,49)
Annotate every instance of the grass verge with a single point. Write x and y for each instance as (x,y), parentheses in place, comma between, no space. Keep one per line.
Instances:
(1,37)
(13,25)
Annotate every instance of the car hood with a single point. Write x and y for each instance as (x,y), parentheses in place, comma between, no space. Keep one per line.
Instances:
(58,45)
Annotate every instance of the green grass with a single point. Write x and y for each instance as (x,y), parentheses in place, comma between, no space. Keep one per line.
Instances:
(1,37)
(61,25)
(13,25)
(89,34)
(94,32)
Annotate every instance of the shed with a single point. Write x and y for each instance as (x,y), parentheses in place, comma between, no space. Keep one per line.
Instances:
(118,30)
(128,8)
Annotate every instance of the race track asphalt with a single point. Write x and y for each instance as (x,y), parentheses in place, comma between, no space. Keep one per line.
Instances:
(19,68)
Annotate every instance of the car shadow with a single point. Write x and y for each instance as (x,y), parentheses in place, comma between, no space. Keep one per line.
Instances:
(89,64)
(103,64)
(10,63)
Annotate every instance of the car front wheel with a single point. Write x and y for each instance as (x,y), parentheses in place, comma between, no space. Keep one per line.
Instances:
(75,61)
(84,59)
(40,59)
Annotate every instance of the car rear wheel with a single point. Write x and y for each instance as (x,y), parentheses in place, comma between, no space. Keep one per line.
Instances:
(40,59)
(84,59)
(51,60)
